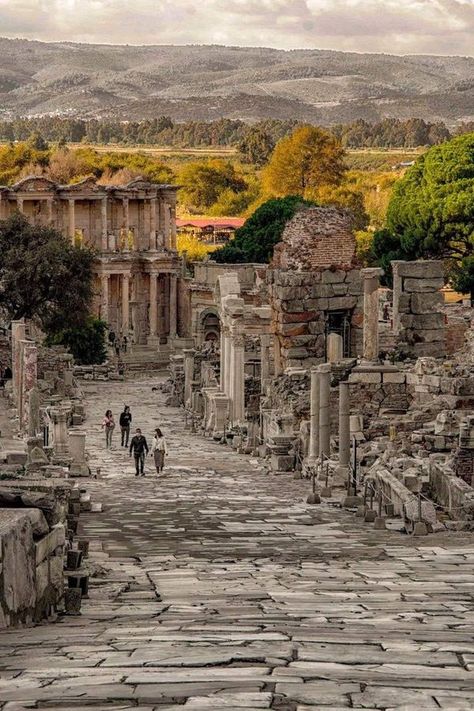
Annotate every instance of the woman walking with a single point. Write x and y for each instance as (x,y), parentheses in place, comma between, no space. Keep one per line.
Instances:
(108,424)
(159,450)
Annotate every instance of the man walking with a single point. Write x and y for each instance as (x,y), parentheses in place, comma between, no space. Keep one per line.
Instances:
(125,420)
(139,447)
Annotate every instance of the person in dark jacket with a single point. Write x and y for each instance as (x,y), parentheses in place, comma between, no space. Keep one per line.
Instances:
(139,447)
(125,421)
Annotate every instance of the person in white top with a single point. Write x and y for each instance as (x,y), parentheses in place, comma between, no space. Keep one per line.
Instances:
(159,450)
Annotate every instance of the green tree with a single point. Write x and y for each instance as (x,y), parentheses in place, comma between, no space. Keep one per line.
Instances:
(256,239)
(87,342)
(43,276)
(203,182)
(302,163)
(256,146)
(431,211)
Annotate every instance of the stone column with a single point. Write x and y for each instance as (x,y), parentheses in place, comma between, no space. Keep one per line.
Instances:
(344,429)
(104,279)
(18,334)
(50,205)
(238,379)
(126,214)
(29,354)
(125,304)
(103,218)
(173,305)
(222,362)
(173,227)
(334,348)
(152,338)
(189,354)
(371,277)
(19,204)
(34,411)
(153,244)
(313,451)
(324,395)
(167,224)
(228,363)
(264,361)
(72,219)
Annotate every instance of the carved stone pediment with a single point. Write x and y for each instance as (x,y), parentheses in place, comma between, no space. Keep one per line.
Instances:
(87,185)
(139,184)
(34,184)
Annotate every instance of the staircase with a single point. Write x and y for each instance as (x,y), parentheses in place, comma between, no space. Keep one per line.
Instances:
(140,358)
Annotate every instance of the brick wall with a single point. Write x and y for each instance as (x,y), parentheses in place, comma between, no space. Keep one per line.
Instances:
(317,238)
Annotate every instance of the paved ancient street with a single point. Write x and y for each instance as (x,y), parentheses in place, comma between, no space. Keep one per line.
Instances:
(218,587)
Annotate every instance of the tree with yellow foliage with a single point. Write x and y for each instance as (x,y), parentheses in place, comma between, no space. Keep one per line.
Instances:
(303,163)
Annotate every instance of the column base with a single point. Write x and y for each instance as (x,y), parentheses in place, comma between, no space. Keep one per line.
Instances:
(153,340)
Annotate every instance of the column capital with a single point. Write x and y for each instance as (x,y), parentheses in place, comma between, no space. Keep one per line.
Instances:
(372,272)
(324,368)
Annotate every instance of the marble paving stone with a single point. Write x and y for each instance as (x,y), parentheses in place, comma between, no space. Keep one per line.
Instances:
(220,587)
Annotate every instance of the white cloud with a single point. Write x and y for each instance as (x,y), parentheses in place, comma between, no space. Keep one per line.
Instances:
(392,26)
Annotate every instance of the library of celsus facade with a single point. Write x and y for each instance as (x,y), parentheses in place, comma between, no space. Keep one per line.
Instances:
(132,228)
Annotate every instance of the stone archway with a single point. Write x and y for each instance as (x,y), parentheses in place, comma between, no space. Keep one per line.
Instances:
(209,325)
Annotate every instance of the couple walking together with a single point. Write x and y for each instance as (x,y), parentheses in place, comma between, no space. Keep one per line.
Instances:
(138,444)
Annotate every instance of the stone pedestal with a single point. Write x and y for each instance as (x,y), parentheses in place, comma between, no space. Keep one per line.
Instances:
(281,460)
(60,437)
(371,279)
(77,453)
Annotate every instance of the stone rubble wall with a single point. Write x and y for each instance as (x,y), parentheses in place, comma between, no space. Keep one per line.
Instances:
(418,307)
(300,302)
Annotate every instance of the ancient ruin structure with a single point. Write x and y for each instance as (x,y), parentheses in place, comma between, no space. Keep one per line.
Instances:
(307,369)
(133,229)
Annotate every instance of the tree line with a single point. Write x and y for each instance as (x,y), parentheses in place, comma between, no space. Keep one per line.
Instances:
(163,131)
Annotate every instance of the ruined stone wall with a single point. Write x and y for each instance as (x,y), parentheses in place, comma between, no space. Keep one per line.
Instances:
(317,238)
(418,307)
(301,302)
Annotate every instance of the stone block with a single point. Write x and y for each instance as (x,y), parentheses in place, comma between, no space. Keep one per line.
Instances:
(291,329)
(424,321)
(423,285)
(16,457)
(365,377)
(421,269)
(394,378)
(46,546)
(329,276)
(342,303)
(301,317)
(426,303)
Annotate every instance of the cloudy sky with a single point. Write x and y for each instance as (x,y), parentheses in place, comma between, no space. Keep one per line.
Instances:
(392,26)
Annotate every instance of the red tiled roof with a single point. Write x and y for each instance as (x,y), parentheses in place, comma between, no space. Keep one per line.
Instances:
(217,223)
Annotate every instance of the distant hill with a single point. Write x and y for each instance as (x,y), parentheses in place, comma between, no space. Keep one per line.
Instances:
(209,82)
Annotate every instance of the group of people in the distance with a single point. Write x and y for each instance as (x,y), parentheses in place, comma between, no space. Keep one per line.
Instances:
(138,446)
